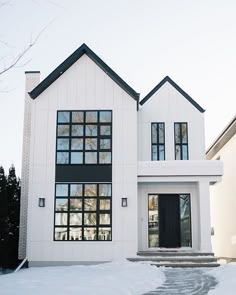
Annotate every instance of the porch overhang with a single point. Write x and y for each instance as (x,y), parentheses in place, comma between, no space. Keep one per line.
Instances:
(180,171)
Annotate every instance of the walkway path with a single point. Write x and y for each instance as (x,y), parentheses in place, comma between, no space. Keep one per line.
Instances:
(186,281)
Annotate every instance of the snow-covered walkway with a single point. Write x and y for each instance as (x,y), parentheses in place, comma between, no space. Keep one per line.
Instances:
(187,281)
(115,278)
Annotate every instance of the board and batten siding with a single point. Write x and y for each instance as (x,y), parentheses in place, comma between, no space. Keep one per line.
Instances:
(169,106)
(84,86)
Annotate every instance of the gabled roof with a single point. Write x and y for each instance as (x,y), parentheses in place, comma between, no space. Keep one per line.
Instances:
(180,90)
(65,65)
(228,132)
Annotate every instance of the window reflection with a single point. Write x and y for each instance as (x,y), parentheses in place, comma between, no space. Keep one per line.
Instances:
(76,190)
(76,158)
(105,190)
(105,116)
(90,218)
(77,143)
(91,158)
(185,220)
(75,233)
(91,117)
(77,117)
(77,130)
(90,233)
(90,143)
(63,117)
(62,158)
(105,130)
(62,190)
(90,204)
(153,225)
(63,130)
(61,219)
(75,218)
(61,204)
(76,204)
(60,233)
(105,157)
(104,234)
(79,216)
(105,204)
(104,219)
(91,130)
(105,144)
(63,144)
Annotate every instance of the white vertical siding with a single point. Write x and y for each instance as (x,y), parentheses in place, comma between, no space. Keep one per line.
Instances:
(84,86)
(169,106)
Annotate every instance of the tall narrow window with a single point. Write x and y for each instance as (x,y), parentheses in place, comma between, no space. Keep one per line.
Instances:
(181,141)
(158,141)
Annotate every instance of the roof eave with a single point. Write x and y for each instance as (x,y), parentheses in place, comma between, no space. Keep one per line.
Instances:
(65,65)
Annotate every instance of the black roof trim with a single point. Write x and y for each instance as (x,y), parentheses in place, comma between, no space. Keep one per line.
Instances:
(65,65)
(168,79)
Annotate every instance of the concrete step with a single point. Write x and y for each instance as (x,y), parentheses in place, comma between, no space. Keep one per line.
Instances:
(177,259)
(167,253)
(186,265)
(173,258)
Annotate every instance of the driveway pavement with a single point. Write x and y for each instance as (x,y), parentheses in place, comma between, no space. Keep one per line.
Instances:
(190,281)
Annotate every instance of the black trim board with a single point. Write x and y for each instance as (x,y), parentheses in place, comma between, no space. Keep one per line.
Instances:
(65,65)
(180,90)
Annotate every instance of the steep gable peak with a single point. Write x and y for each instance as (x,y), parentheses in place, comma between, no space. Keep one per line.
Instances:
(66,64)
(180,90)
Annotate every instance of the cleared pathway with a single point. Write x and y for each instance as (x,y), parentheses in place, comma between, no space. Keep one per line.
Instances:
(186,281)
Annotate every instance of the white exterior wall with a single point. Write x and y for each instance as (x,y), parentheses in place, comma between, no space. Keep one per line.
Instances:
(169,106)
(223,204)
(84,86)
(170,176)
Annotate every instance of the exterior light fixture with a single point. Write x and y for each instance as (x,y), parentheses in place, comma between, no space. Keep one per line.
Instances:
(124,202)
(41,202)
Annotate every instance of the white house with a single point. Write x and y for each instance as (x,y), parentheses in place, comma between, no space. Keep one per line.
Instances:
(223,200)
(105,176)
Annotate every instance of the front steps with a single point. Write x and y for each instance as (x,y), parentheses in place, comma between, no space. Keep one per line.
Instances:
(173,258)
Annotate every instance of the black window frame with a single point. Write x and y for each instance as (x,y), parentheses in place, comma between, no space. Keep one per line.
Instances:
(181,144)
(69,152)
(83,226)
(158,144)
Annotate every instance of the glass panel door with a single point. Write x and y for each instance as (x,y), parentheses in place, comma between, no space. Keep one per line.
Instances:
(153,225)
(185,220)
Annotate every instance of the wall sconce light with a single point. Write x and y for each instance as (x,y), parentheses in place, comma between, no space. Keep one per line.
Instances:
(124,202)
(41,202)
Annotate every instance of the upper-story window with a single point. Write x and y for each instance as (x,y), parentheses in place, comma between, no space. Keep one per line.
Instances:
(84,137)
(181,141)
(158,141)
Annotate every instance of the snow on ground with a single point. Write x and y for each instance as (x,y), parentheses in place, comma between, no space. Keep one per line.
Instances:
(226,277)
(114,278)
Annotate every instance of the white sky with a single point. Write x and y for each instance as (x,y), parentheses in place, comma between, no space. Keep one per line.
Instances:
(192,41)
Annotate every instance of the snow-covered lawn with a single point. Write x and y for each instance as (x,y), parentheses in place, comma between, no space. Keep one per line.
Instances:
(115,278)
(226,277)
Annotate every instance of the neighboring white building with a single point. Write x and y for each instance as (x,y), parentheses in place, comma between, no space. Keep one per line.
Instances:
(90,146)
(223,195)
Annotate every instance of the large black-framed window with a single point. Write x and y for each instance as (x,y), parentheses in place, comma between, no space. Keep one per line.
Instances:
(84,137)
(158,141)
(83,212)
(181,141)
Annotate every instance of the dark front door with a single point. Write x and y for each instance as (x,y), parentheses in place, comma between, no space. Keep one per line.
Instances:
(169,221)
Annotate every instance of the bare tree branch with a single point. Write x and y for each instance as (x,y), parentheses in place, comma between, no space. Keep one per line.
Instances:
(23,53)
